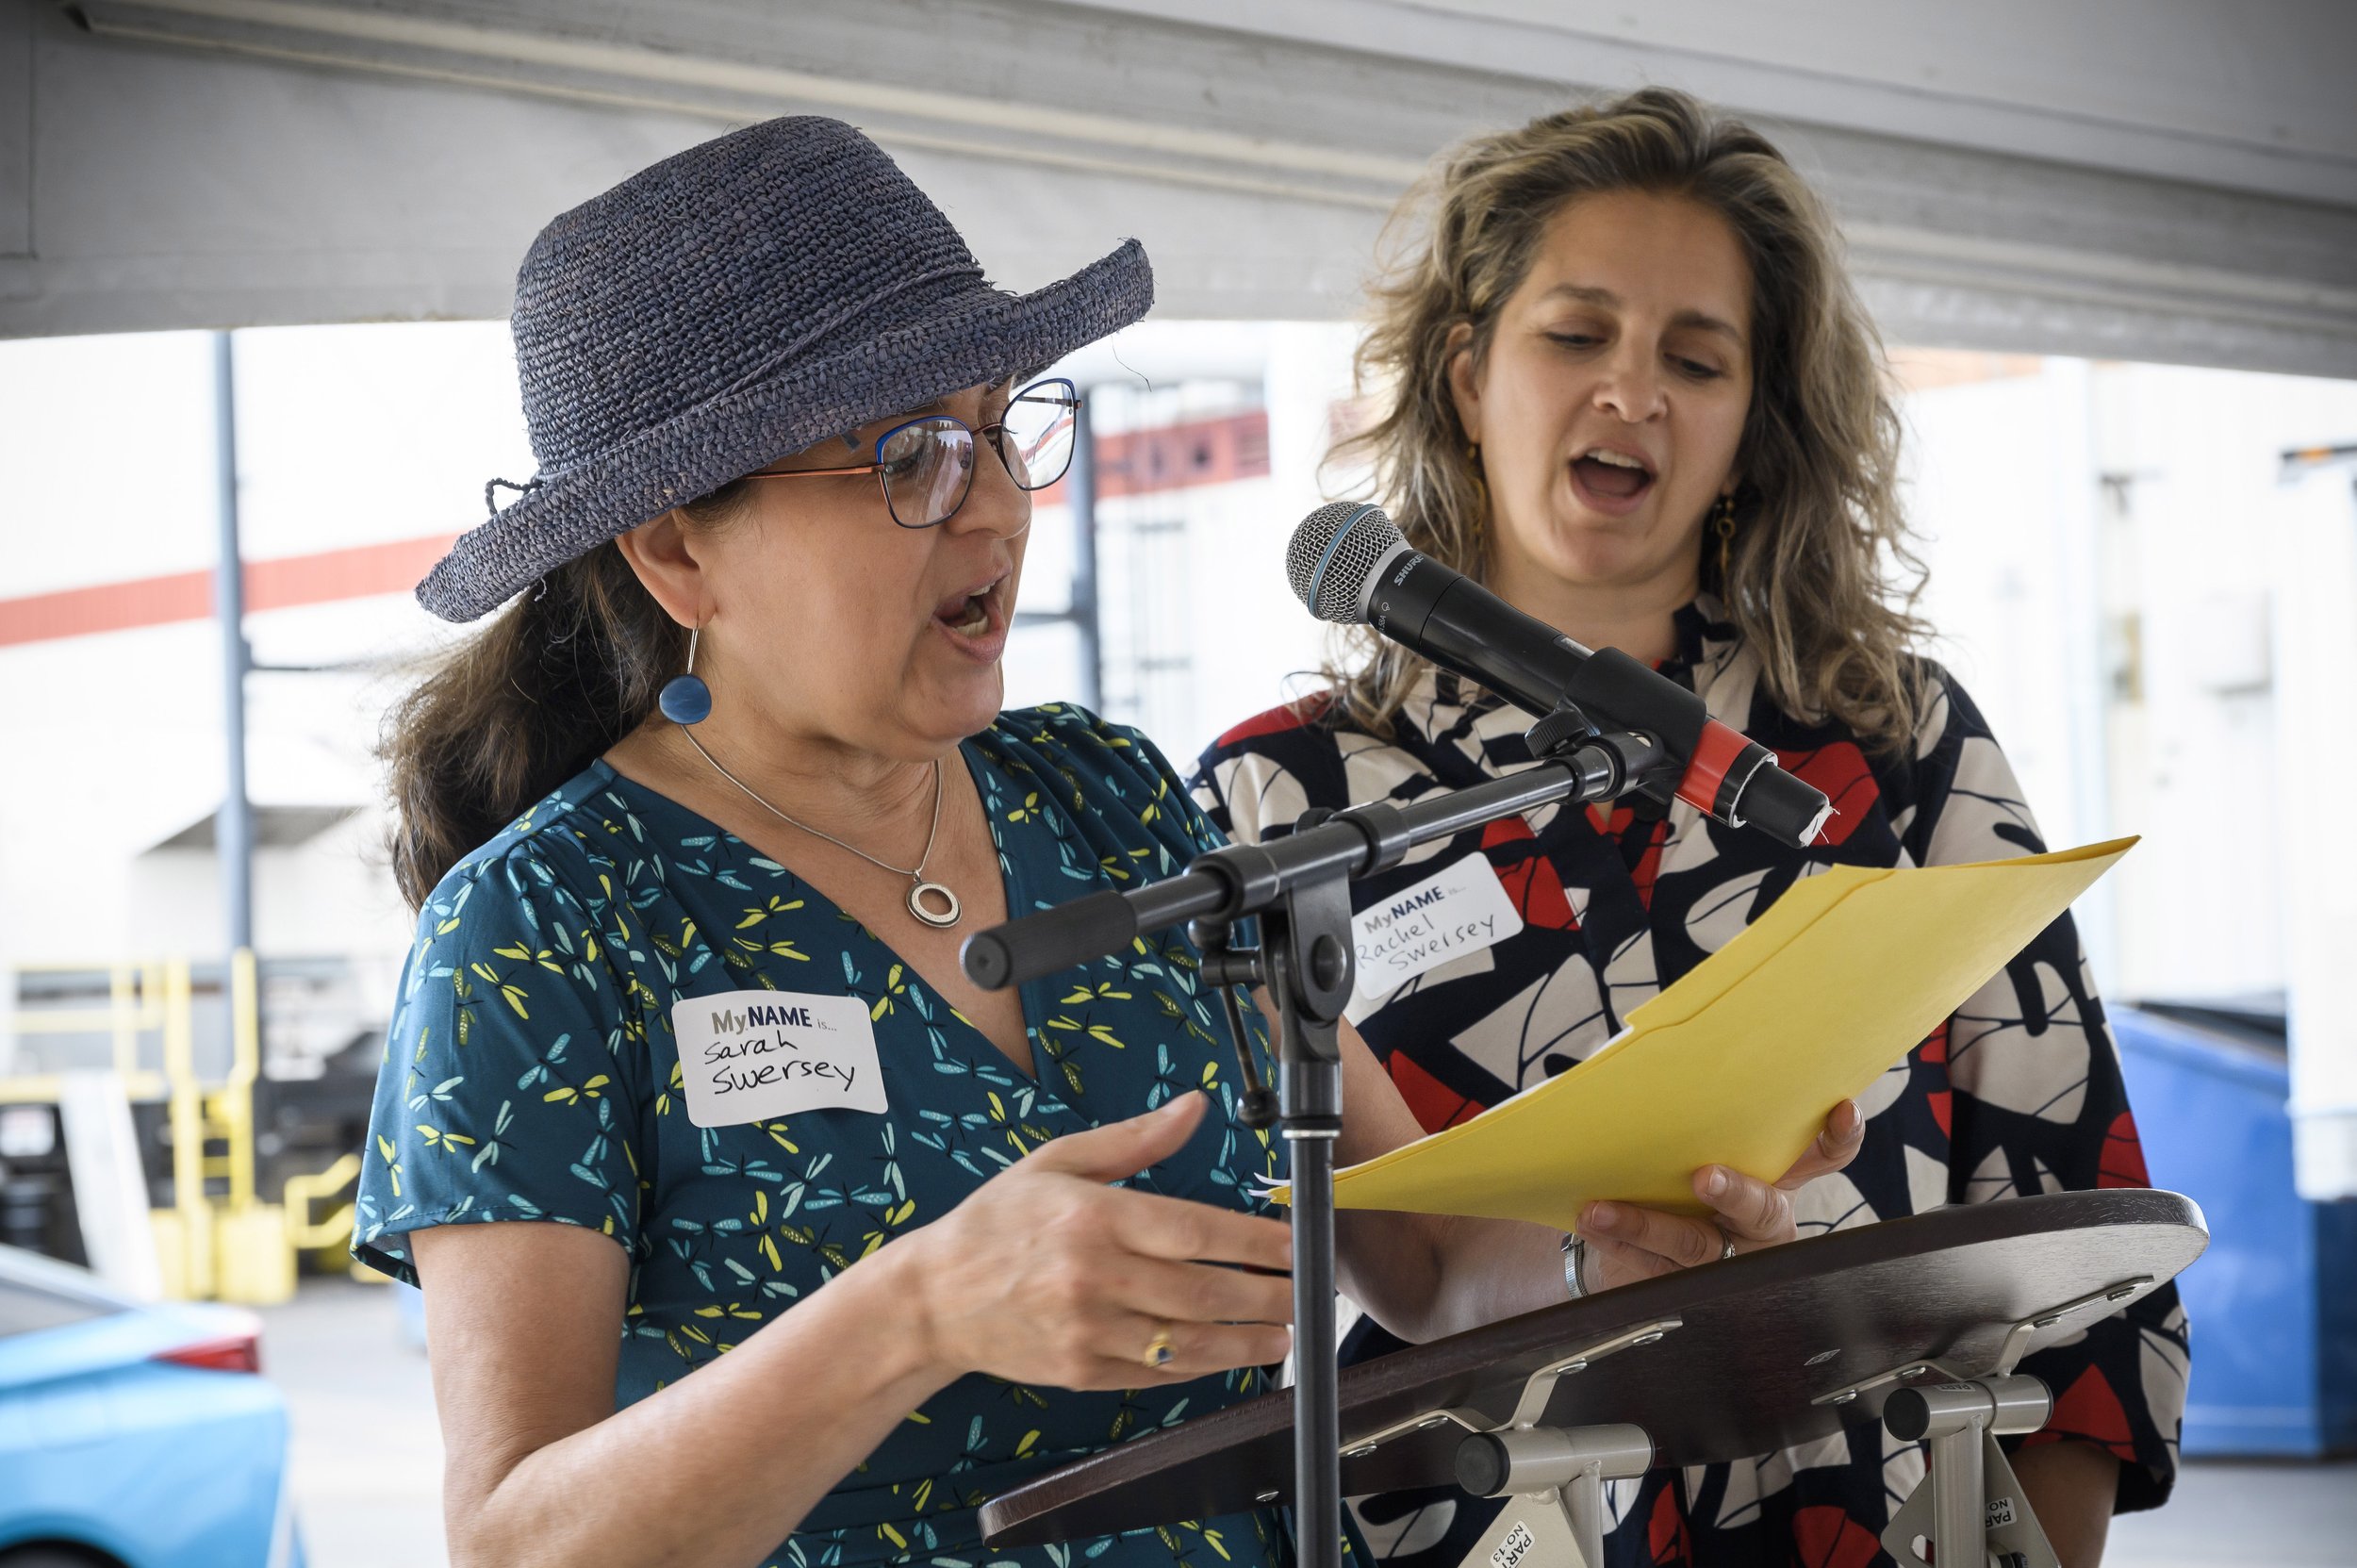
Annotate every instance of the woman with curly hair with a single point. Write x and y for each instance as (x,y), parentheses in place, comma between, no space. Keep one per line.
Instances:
(1621,379)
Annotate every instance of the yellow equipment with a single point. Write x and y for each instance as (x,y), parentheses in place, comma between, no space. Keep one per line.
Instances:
(227,1244)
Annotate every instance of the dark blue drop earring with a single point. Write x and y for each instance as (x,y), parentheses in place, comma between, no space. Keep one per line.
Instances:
(685,699)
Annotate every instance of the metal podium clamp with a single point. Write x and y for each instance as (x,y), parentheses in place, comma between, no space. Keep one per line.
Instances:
(1969,1498)
(1536,1390)
(1563,1469)
(1969,1508)
(2009,1352)
(2018,1338)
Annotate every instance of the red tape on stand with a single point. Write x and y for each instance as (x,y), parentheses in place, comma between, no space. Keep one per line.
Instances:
(1714,755)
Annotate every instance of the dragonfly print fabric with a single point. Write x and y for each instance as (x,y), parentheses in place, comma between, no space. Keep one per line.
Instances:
(532,1074)
(2018,1093)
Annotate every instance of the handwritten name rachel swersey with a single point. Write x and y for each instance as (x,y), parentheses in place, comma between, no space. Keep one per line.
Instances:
(1408,948)
(1462,909)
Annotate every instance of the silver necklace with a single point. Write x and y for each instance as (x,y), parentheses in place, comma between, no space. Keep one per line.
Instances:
(919,889)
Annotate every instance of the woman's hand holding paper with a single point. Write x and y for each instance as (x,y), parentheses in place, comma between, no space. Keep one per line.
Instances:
(1627,1242)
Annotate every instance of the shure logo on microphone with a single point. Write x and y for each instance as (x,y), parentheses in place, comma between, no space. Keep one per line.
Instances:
(1406,566)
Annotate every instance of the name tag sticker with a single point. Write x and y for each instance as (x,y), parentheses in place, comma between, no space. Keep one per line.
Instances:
(750,1056)
(1463,910)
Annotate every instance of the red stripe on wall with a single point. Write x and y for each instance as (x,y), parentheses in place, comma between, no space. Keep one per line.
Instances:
(334,574)
(1137,462)
(1179,456)
(1176,457)
(282,584)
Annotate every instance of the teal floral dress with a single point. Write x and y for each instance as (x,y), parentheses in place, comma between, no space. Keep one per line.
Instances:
(531,1072)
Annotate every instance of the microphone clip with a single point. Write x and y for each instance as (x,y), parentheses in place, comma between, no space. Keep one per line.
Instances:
(1229,969)
(1610,763)
(1560,732)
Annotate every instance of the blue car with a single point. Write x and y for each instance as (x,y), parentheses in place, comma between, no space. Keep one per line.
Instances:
(132,1434)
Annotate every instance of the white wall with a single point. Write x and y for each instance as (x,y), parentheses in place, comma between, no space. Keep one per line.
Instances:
(2105,546)
(1223,605)
(347,436)
(2203,533)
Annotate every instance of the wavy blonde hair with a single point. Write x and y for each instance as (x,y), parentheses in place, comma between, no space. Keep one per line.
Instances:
(1820,579)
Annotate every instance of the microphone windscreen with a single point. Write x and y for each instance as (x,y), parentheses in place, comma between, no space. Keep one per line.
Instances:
(1333,552)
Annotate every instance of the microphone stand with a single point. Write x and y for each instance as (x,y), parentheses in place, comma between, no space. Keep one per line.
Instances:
(1298,888)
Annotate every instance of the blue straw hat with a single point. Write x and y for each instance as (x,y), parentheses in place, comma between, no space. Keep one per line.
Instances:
(730,305)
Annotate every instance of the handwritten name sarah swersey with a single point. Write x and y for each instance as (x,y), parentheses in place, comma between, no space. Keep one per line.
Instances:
(749,1048)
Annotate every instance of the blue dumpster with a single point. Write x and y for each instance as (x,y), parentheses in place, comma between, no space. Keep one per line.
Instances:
(2273,1303)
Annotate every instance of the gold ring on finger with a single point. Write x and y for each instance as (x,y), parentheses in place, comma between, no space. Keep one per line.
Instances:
(1157,1350)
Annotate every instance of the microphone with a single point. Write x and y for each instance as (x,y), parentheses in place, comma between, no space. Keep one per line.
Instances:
(1349,565)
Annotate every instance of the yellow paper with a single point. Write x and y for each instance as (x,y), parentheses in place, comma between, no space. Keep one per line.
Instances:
(1737,1063)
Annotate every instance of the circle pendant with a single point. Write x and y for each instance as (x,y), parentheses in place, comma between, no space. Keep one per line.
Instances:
(943,916)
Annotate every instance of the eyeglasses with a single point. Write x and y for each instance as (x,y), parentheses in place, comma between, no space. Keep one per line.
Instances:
(926,466)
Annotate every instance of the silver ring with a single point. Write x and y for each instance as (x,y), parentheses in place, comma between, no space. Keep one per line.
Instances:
(1576,1264)
(1728,1250)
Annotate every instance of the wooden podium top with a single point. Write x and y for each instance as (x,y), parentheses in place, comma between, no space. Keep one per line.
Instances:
(1758,1341)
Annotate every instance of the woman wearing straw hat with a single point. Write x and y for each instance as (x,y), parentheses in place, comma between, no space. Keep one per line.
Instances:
(803,1245)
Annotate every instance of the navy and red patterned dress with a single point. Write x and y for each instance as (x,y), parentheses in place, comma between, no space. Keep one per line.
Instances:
(2018,1093)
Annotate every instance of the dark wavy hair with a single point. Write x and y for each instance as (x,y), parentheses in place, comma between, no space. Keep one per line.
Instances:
(557,677)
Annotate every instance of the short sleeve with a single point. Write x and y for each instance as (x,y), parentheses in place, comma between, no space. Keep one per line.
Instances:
(502,1095)
(1140,784)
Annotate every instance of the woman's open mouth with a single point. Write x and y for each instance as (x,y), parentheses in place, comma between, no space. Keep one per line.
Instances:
(975,621)
(1612,480)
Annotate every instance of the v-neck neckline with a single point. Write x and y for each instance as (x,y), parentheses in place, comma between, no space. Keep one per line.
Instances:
(1029,998)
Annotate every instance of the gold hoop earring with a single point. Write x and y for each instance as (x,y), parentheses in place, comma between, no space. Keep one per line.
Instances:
(1723,524)
(1472,462)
